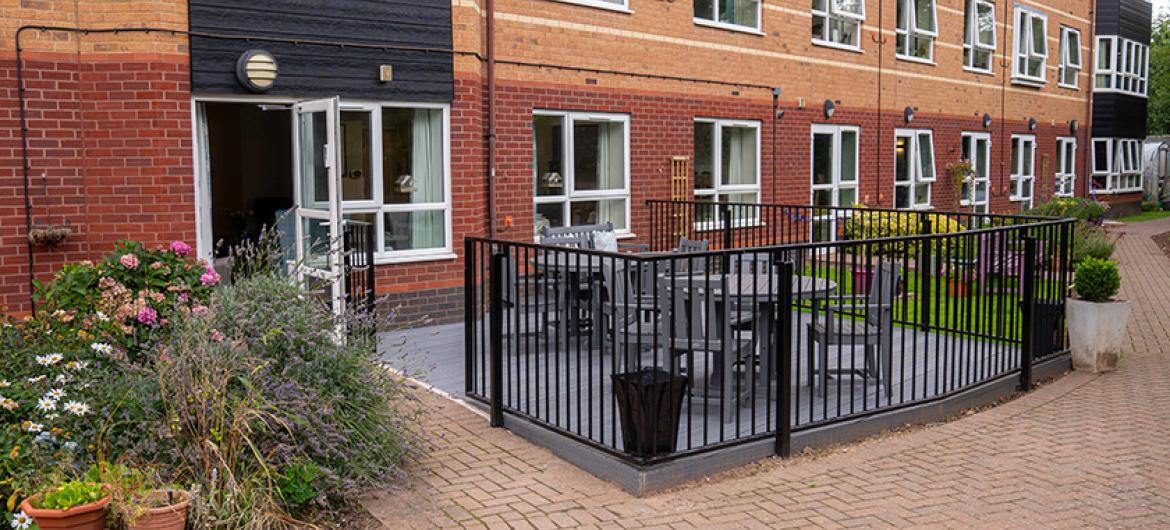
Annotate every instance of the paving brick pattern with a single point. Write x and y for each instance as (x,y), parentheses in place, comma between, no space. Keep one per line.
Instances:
(1083,451)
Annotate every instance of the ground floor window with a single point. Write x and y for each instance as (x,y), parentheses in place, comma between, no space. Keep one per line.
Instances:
(581,166)
(1117,165)
(976,150)
(727,168)
(834,174)
(1066,166)
(913,167)
(1023,176)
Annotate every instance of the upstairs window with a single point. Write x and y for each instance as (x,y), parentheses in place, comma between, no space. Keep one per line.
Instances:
(916,30)
(1070,57)
(1066,166)
(979,35)
(731,14)
(913,168)
(1023,168)
(1031,47)
(1122,66)
(838,22)
(1117,165)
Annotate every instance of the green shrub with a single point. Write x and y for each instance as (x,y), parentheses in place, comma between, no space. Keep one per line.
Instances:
(867,224)
(70,494)
(297,484)
(1091,242)
(1097,280)
(1075,207)
(1151,206)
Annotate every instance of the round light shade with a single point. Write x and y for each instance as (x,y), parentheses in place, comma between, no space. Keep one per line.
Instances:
(1031,124)
(256,69)
(830,108)
(908,114)
(986,120)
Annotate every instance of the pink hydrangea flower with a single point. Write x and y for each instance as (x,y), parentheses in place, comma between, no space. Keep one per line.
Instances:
(130,261)
(184,297)
(209,277)
(180,248)
(217,335)
(147,316)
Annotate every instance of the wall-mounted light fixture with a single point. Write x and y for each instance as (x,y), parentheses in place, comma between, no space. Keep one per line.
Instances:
(830,108)
(908,114)
(256,69)
(1031,124)
(1073,126)
(986,120)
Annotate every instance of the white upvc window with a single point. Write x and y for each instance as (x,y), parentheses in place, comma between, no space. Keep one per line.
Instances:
(581,168)
(979,35)
(396,175)
(612,5)
(1066,166)
(913,168)
(1122,66)
(1117,165)
(916,29)
(976,150)
(834,173)
(727,168)
(1030,49)
(1070,57)
(729,14)
(837,23)
(1023,175)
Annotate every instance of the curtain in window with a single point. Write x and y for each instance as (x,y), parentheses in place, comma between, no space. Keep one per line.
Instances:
(426,159)
(739,155)
(611,154)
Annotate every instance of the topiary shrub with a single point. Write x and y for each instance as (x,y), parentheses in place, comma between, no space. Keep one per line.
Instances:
(1097,280)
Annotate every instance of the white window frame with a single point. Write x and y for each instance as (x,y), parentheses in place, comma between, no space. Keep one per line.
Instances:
(622,7)
(971,141)
(915,168)
(1123,69)
(1124,164)
(717,173)
(835,184)
(971,43)
(567,169)
(908,28)
(1066,177)
(832,15)
(1025,20)
(1019,179)
(716,23)
(1067,55)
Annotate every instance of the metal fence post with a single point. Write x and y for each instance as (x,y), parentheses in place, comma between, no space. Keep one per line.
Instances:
(468,316)
(499,256)
(725,214)
(925,271)
(784,361)
(1028,308)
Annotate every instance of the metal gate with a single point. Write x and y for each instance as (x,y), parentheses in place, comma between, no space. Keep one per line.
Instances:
(359,267)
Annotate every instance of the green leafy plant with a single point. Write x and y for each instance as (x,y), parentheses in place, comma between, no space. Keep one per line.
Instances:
(1075,207)
(297,484)
(1097,280)
(70,494)
(868,224)
(1091,242)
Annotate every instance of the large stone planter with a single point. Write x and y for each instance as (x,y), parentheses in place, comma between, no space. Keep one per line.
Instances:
(1096,331)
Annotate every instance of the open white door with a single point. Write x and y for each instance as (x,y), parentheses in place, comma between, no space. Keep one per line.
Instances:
(317,191)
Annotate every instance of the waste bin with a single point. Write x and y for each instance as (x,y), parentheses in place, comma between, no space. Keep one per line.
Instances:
(650,402)
(1044,340)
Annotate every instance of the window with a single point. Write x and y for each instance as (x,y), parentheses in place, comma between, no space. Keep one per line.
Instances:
(838,22)
(580,168)
(395,175)
(616,5)
(1066,166)
(976,150)
(834,174)
(916,30)
(1023,177)
(979,35)
(1070,57)
(1122,66)
(1117,165)
(1031,47)
(731,14)
(727,166)
(913,168)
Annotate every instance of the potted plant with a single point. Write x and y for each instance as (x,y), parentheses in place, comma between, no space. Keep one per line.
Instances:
(960,171)
(140,500)
(1096,322)
(73,505)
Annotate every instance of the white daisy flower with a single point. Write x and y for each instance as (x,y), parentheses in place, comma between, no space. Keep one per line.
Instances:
(34,427)
(102,348)
(4,383)
(46,404)
(52,416)
(55,394)
(61,379)
(76,365)
(102,316)
(36,379)
(50,359)
(21,521)
(77,408)
(7,404)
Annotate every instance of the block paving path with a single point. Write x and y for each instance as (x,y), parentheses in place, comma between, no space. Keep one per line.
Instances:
(1085,450)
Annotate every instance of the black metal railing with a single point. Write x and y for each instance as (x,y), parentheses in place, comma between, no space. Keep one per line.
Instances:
(358,246)
(772,330)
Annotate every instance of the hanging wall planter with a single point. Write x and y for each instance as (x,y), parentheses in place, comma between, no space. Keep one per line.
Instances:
(49,235)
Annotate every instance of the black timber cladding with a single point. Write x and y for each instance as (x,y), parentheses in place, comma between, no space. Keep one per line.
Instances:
(1130,19)
(1118,116)
(312,70)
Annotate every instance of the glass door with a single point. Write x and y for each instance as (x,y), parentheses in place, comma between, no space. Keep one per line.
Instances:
(834,177)
(317,199)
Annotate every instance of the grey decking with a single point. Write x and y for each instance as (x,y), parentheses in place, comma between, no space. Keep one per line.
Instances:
(925,365)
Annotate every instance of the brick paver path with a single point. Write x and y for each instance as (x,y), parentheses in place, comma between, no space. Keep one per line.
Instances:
(1083,451)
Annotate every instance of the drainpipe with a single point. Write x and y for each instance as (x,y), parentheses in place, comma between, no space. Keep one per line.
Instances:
(490,52)
(1088,150)
(775,108)
(24,166)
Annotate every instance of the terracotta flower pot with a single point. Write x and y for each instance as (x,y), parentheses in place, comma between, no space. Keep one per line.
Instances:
(90,516)
(169,517)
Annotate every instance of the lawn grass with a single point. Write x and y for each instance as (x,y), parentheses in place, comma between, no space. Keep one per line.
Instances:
(1145,216)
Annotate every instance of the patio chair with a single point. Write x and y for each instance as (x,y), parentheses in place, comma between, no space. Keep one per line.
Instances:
(697,318)
(838,323)
(751,263)
(623,316)
(532,312)
(691,245)
(587,232)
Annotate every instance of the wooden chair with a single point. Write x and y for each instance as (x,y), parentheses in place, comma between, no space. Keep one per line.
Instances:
(751,263)
(586,232)
(691,245)
(624,316)
(850,321)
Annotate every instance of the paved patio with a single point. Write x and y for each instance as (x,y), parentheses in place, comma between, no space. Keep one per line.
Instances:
(1083,451)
